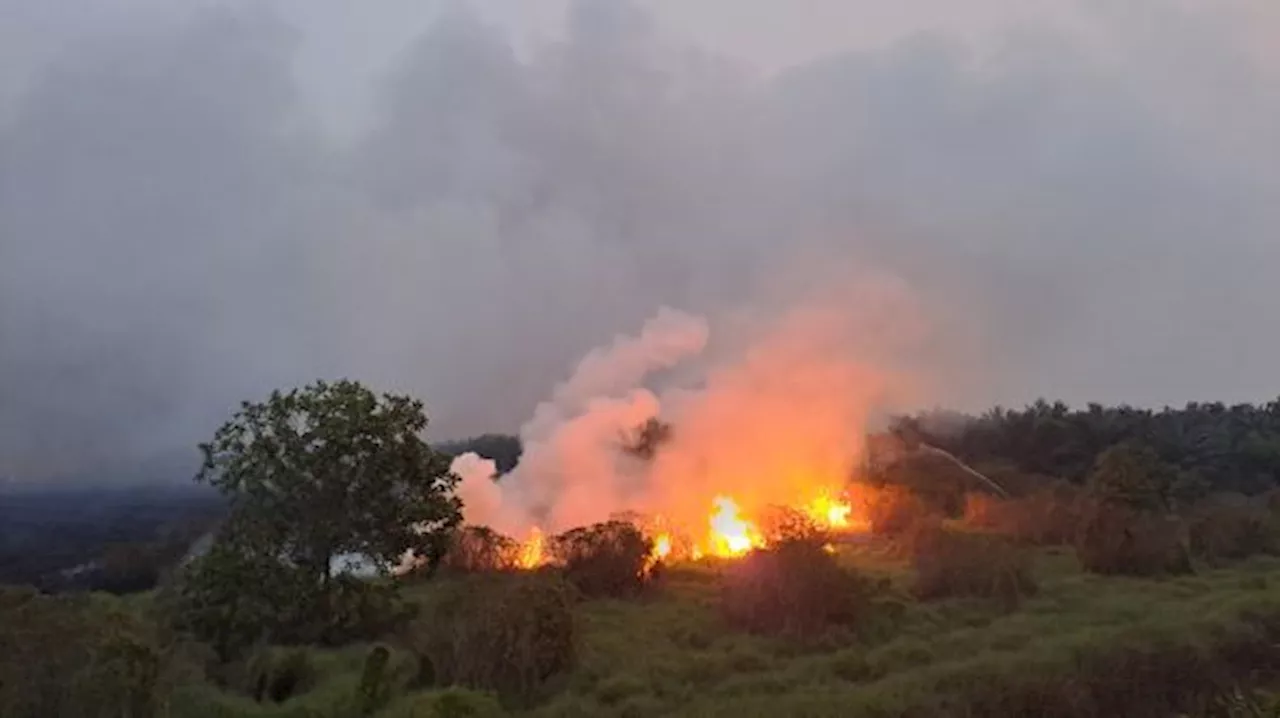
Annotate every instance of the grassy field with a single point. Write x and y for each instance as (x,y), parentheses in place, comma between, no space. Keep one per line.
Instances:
(1083,645)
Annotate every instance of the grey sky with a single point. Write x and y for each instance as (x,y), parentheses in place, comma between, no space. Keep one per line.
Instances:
(201,201)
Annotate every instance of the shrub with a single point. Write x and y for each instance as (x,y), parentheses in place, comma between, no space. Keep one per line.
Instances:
(509,635)
(950,563)
(1048,517)
(73,656)
(783,523)
(1225,529)
(1118,540)
(610,559)
(359,610)
(236,599)
(892,510)
(794,589)
(480,549)
(277,675)
(375,689)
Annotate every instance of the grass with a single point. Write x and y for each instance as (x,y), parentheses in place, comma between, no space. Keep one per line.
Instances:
(1082,645)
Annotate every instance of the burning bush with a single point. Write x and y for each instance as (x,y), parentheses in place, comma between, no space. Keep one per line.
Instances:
(951,563)
(1049,517)
(509,635)
(781,523)
(1115,539)
(1233,529)
(609,559)
(892,510)
(794,588)
(480,549)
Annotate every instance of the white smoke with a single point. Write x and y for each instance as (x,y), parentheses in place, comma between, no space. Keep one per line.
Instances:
(775,415)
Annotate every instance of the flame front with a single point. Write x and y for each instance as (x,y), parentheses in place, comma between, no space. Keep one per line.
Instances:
(731,535)
(662,546)
(829,512)
(531,551)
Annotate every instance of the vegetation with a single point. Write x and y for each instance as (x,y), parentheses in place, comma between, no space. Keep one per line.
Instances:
(509,636)
(1130,573)
(312,475)
(952,563)
(796,589)
(609,559)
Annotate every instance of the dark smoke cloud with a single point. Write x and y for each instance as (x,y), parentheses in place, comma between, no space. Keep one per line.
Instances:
(1087,214)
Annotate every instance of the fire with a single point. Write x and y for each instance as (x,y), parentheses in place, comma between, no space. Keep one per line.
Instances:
(826,510)
(531,551)
(662,546)
(731,535)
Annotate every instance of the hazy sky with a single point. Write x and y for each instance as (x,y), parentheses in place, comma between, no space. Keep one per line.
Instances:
(201,201)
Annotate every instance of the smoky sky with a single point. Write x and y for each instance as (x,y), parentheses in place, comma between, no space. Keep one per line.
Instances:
(203,201)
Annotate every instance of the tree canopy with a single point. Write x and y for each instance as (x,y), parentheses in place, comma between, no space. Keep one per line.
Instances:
(312,475)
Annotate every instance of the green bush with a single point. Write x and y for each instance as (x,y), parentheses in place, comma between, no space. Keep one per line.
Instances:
(276,675)
(234,599)
(1233,529)
(1115,539)
(952,563)
(509,635)
(611,559)
(794,589)
(79,657)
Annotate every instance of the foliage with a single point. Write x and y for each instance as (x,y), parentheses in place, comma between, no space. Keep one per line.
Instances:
(479,549)
(957,563)
(794,589)
(277,675)
(1050,516)
(892,510)
(333,469)
(508,634)
(783,523)
(78,656)
(1228,448)
(608,559)
(1116,539)
(375,689)
(235,597)
(1233,528)
(1132,474)
(314,474)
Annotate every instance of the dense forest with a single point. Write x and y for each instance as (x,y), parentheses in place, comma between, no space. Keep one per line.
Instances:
(1228,448)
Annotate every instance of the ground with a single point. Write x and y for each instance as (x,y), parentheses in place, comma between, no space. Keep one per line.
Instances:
(670,654)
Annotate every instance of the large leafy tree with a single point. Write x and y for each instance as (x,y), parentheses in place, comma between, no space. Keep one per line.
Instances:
(316,474)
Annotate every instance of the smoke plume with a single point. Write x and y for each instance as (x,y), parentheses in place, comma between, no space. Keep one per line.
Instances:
(201,202)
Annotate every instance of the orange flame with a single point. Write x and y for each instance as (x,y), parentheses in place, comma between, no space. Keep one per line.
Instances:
(829,512)
(531,551)
(731,535)
(662,546)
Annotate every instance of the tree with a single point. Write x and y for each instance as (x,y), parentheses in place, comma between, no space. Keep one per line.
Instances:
(1132,474)
(323,472)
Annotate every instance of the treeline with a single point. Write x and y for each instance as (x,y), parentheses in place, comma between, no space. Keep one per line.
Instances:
(1226,448)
